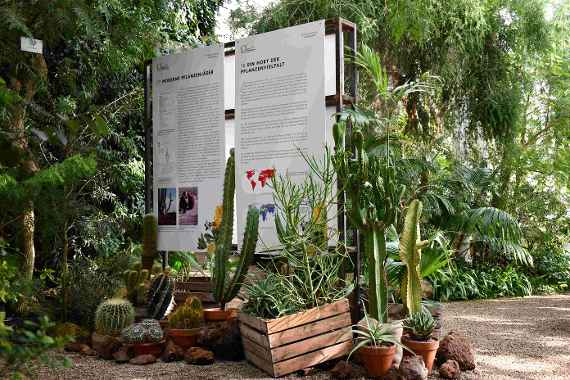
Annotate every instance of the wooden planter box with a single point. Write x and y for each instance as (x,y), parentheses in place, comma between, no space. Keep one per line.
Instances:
(294,342)
(200,287)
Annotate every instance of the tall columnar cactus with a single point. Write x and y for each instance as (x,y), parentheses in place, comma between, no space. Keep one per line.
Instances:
(150,238)
(160,296)
(113,315)
(369,184)
(135,281)
(410,254)
(188,316)
(225,289)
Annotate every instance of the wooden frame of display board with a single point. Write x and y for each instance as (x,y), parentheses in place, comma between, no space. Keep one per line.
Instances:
(346,82)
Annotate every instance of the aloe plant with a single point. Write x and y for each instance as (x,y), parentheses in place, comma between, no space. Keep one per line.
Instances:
(369,184)
(411,256)
(226,288)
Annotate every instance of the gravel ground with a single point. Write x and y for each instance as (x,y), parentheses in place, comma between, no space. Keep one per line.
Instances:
(514,338)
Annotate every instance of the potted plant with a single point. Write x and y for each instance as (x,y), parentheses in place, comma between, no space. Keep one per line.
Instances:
(144,338)
(184,323)
(297,314)
(226,283)
(418,329)
(375,346)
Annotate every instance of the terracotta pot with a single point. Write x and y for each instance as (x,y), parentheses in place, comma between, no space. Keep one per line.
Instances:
(164,324)
(216,314)
(184,338)
(148,348)
(377,359)
(426,350)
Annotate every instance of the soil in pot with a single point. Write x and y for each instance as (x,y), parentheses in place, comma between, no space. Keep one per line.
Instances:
(377,359)
(425,349)
(217,314)
(154,348)
(184,338)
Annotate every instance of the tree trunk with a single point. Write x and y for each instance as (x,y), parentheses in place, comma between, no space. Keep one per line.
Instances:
(28,248)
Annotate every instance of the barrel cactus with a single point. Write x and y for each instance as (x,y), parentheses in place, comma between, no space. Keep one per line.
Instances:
(150,241)
(160,296)
(187,316)
(113,315)
(225,289)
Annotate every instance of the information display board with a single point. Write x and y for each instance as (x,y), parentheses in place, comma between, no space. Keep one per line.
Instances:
(188,143)
(279,110)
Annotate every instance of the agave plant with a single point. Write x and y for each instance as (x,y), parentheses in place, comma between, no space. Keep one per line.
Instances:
(374,333)
(420,325)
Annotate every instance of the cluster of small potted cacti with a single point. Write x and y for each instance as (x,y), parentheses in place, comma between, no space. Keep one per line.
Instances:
(145,337)
(184,323)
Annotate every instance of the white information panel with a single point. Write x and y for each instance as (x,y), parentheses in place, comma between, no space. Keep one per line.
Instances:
(280,108)
(188,144)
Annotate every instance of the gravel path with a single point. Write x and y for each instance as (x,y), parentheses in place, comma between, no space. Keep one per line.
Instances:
(514,338)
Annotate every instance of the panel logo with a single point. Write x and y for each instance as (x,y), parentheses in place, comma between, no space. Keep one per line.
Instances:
(246,48)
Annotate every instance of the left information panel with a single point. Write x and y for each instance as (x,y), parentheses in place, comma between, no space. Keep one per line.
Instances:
(188,144)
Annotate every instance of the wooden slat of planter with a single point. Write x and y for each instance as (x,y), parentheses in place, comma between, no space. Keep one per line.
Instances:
(311,344)
(260,351)
(290,321)
(263,364)
(253,322)
(309,330)
(253,335)
(311,359)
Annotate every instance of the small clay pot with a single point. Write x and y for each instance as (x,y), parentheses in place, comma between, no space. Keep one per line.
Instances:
(377,359)
(154,348)
(184,338)
(426,349)
(216,314)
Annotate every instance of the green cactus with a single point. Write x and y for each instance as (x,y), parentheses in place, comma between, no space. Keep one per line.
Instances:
(135,280)
(188,316)
(150,239)
(147,331)
(411,256)
(226,289)
(113,315)
(160,296)
(369,184)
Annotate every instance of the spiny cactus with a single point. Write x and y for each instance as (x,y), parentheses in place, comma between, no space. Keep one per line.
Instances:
(187,316)
(411,255)
(160,296)
(224,288)
(147,331)
(369,184)
(150,238)
(135,280)
(113,315)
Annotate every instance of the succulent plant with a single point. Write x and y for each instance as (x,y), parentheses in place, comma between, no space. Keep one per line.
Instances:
(187,316)
(147,331)
(135,280)
(225,289)
(150,239)
(113,315)
(160,296)
(420,325)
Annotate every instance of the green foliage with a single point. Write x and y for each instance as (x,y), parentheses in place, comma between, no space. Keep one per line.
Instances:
(23,347)
(420,325)
(160,295)
(188,316)
(113,315)
(90,283)
(150,241)
(226,288)
(480,282)
(147,331)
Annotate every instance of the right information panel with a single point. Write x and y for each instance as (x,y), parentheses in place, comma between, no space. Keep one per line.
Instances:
(280,110)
